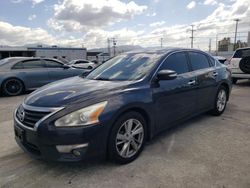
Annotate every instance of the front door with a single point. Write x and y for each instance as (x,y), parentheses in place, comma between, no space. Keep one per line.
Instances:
(175,99)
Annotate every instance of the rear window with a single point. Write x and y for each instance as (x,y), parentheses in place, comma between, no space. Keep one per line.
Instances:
(198,61)
(242,53)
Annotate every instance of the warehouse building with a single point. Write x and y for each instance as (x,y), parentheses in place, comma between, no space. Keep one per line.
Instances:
(44,52)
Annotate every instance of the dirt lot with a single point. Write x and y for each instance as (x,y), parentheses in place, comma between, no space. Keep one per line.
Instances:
(204,152)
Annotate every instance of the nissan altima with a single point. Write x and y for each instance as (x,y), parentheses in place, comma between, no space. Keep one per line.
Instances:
(120,105)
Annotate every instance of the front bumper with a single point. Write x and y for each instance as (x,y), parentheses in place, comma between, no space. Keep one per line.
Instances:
(58,144)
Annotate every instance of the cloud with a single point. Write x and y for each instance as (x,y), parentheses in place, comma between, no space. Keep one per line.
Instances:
(16,1)
(210,2)
(151,14)
(34,2)
(191,5)
(157,24)
(72,15)
(32,17)
(220,21)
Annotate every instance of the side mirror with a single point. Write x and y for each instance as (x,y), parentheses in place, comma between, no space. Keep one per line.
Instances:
(166,75)
(65,66)
(84,74)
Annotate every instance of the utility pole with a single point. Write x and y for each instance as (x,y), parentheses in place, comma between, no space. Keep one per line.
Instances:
(236,28)
(108,40)
(114,45)
(209,46)
(192,36)
(216,44)
(161,42)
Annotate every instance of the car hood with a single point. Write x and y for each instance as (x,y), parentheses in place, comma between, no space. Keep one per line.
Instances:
(73,90)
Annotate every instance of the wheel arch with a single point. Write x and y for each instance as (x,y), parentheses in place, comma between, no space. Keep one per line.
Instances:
(140,110)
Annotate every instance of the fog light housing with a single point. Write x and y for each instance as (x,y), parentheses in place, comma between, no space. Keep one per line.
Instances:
(71,148)
(76,152)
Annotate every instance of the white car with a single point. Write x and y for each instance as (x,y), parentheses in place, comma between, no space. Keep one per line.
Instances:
(240,64)
(82,64)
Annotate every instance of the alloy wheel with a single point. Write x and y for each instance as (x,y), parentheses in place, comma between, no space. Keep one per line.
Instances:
(129,138)
(221,100)
(13,87)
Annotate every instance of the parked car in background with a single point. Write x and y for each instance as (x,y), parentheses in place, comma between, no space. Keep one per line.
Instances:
(240,64)
(221,59)
(120,105)
(83,64)
(18,74)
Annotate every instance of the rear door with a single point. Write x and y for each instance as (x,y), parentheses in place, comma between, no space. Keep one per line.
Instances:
(34,73)
(206,75)
(175,99)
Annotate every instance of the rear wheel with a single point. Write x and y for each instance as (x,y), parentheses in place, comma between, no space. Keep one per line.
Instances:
(127,138)
(12,87)
(220,102)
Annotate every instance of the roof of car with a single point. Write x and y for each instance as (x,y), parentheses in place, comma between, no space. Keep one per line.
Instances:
(161,50)
(10,61)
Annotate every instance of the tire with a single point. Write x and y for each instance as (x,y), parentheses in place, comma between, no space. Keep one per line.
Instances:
(12,87)
(245,65)
(123,147)
(220,101)
(234,80)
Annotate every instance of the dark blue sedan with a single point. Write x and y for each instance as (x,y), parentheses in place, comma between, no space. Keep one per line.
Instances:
(18,74)
(120,105)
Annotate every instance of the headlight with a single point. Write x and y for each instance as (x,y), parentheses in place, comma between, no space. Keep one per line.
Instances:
(85,116)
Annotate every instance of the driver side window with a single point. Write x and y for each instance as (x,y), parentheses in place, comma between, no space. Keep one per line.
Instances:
(176,62)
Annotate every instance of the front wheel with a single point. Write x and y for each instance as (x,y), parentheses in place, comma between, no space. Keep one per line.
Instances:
(127,138)
(220,102)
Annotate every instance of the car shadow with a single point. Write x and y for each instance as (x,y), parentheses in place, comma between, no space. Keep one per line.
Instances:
(243,83)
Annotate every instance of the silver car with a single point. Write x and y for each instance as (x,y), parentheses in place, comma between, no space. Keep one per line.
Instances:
(18,74)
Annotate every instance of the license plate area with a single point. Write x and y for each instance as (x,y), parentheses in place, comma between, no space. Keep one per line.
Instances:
(19,133)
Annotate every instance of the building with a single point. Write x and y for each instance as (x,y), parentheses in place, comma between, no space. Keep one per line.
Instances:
(15,52)
(225,45)
(67,54)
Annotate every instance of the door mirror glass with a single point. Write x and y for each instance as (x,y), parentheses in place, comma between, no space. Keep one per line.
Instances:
(166,75)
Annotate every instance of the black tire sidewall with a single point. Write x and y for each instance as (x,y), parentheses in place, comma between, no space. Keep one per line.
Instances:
(112,152)
(7,92)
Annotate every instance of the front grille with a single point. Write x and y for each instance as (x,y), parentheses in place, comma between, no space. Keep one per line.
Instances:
(30,117)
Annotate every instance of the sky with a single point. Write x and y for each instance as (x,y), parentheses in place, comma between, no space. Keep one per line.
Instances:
(89,23)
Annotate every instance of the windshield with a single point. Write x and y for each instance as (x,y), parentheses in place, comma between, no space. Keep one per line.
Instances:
(125,67)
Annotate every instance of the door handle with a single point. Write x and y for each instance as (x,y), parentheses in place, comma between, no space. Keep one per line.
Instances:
(215,73)
(191,82)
